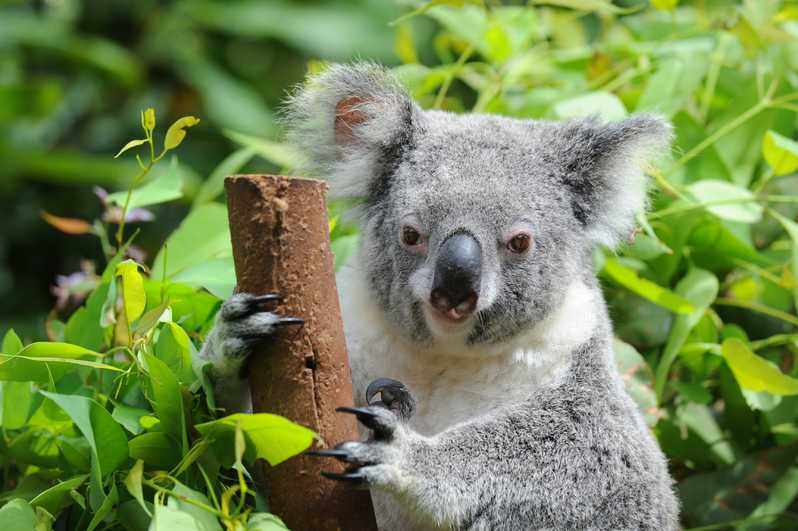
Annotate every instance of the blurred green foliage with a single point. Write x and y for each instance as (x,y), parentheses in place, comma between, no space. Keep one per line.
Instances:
(703,295)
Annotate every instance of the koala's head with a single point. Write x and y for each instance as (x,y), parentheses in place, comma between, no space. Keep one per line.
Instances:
(473,225)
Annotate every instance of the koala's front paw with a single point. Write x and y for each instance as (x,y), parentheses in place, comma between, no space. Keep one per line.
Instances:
(244,320)
(379,461)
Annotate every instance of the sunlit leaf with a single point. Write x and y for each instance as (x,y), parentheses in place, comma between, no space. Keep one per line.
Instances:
(265,522)
(177,131)
(629,279)
(18,514)
(165,186)
(603,104)
(167,400)
(268,436)
(57,497)
(755,373)
(148,119)
(780,152)
(23,367)
(131,145)
(132,289)
(727,200)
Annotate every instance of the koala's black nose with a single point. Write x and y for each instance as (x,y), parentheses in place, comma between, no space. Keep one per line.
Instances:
(455,284)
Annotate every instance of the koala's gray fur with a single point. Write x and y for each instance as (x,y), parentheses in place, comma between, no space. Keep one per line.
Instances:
(522,420)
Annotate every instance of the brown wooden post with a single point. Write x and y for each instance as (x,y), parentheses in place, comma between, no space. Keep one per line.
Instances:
(281,244)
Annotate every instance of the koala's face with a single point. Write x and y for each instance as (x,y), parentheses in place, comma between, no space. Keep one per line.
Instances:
(473,226)
(473,238)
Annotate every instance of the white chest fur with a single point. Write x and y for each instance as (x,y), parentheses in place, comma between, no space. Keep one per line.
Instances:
(456,385)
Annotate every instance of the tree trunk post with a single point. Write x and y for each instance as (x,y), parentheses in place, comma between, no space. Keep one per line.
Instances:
(280,236)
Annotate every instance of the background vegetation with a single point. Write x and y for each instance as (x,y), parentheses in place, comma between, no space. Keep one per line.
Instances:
(104,420)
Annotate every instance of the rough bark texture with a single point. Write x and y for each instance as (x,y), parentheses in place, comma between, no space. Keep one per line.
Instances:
(281,244)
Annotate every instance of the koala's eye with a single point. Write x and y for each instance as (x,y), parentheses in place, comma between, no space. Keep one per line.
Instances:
(410,236)
(519,243)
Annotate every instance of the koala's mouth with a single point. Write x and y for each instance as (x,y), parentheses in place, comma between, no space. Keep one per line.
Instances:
(452,320)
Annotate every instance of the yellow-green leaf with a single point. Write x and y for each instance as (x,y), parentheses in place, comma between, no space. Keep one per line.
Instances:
(177,131)
(133,483)
(148,119)
(755,373)
(131,145)
(664,5)
(267,436)
(629,279)
(132,289)
(403,45)
(780,152)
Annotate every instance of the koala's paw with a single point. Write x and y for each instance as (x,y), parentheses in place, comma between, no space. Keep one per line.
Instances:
(380,461)
(244,320)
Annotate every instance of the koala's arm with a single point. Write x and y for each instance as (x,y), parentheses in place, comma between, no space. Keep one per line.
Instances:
(566,458)
(241,323)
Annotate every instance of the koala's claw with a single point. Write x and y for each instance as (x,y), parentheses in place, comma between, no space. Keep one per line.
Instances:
(381,421)
(394,396)
(341,455)
(289,321)
(356,477)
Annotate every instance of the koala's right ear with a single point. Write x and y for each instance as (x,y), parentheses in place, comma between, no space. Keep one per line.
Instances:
(351,124)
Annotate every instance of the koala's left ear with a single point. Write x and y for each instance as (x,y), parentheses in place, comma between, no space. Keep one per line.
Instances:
(351,123)
(604,171)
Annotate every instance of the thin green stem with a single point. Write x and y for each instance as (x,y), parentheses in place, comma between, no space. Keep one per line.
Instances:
(720,133)
(449,78)
(759,308)
(182,498)
(772,341)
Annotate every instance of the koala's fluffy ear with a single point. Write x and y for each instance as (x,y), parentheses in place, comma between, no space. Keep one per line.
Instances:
(604,166)
(350,124)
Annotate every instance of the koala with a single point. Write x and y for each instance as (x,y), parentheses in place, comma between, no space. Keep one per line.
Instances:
(473,311)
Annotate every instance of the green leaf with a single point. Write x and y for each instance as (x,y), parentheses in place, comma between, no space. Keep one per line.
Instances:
(343,247)
(11,343)
(133,483)
(638,379)
(700,419)
(268,436)
(18,514)
(727,200)
(216,275)
(603,104)
(129,417)
(265,522)
(780,152)
(665,5)
(282,155)
(105,436)
(629,279)
(780,496)
(214,184)
(25,367)
(163,187)
(791,228)
(57,497)
(168,518)
(132,517)
(156,449)
(175,349)
(167,400)
(105,509)
(15,402)
(206,520)
(132,289)
(131,145)
(177,131)
(700,288)
(755,373)
(203,235)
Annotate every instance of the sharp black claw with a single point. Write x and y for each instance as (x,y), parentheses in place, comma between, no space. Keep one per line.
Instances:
(359,411)
(349,477)
(288,321)
(269,297)
(338,454)
(395,396)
